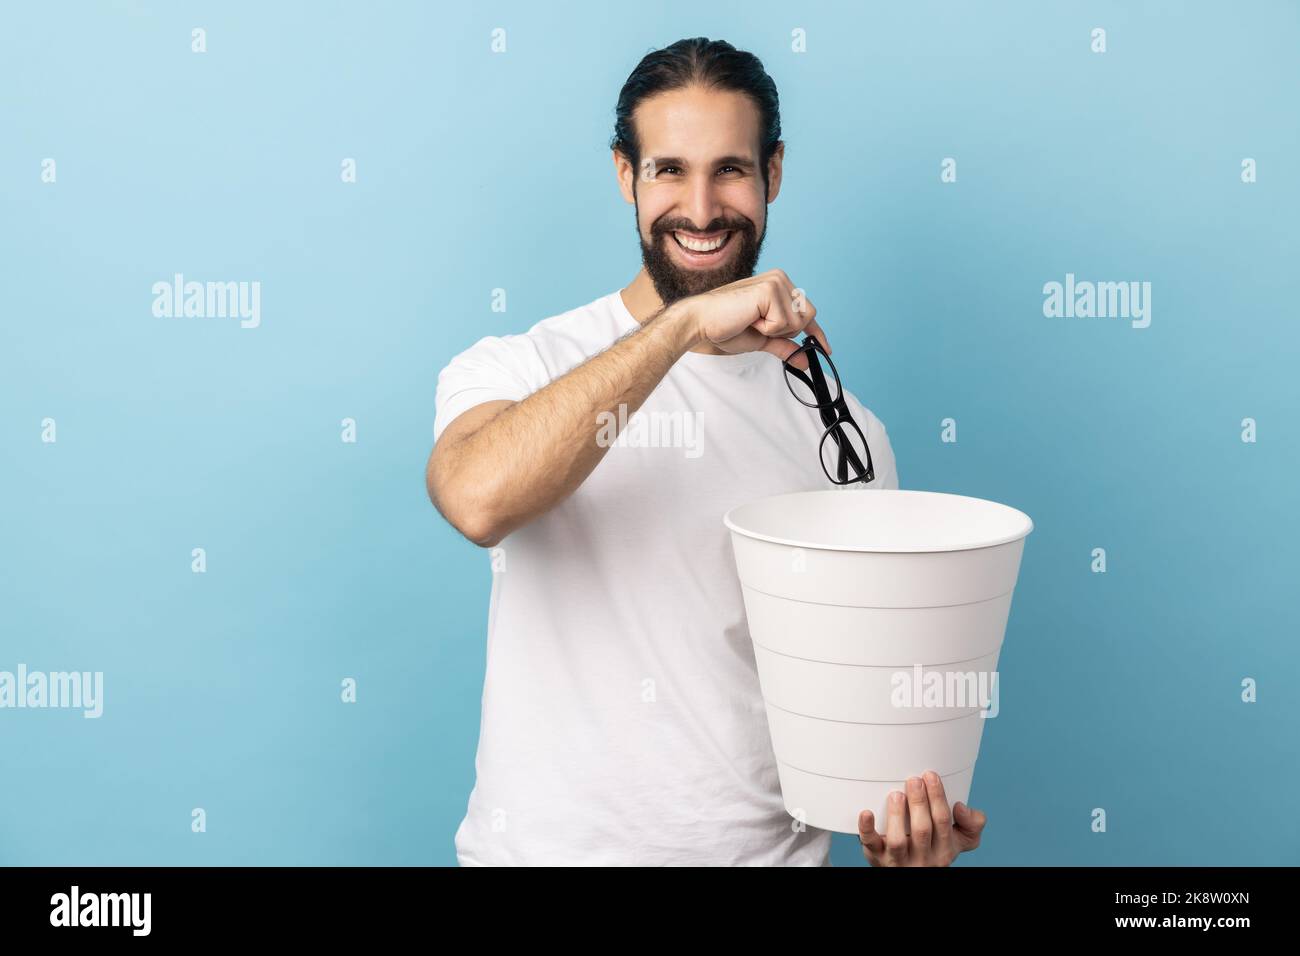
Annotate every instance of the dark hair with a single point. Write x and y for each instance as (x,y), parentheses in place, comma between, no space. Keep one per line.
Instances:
(714,64)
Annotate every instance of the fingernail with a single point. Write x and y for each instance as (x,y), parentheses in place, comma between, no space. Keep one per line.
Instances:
(931,777)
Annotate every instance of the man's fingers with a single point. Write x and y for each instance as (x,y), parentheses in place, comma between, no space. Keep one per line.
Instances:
(751,340)
(803,312)
(786,314)
(919,805)
(748,340)
(783,349)
(779,279)
(802,308)
(787,309)
(815,330)
(970,823)
(970,820)
(940,813)
(895,836)
(873,844)
(778,320)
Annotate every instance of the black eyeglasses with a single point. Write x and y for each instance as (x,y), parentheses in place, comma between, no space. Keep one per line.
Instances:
(843,447)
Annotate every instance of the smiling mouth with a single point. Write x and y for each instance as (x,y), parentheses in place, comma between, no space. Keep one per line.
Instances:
(704,247)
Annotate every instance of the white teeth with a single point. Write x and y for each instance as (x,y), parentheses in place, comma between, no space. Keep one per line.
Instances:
(695,245)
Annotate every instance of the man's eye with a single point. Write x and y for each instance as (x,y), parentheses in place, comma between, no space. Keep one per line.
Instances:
(677,169)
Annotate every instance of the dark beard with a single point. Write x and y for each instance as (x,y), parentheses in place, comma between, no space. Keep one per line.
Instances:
(673,283)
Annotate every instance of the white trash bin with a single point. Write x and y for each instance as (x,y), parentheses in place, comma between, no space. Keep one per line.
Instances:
(856,600)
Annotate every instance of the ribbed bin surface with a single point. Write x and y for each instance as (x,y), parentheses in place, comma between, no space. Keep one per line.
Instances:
(877,618)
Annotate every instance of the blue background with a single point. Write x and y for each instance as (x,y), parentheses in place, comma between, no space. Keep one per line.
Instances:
(477,171)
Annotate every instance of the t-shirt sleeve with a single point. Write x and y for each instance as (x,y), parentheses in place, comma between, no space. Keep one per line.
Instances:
(495,368)
(882,453)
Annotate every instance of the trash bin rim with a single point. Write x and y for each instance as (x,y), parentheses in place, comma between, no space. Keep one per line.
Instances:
(1026,522)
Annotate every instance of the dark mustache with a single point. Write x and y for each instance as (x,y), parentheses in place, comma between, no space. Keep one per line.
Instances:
(728,227)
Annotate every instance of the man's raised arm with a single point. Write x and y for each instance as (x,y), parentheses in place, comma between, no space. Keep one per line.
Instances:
(501,464)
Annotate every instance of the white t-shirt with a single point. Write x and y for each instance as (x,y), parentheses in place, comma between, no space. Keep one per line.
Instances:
(622,720)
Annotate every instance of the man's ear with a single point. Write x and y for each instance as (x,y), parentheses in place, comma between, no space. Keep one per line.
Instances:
(774,171)
(625,172)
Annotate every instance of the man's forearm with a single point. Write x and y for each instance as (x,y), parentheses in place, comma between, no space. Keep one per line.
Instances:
(534,454)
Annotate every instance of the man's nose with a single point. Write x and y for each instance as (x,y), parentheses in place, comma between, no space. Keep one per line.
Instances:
(703,205)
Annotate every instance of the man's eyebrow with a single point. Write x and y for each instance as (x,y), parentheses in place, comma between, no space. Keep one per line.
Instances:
(744,162)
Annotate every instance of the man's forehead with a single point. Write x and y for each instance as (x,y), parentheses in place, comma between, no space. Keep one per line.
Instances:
(698,125)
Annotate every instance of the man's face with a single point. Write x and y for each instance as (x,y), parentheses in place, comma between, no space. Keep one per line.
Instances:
(700,201)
